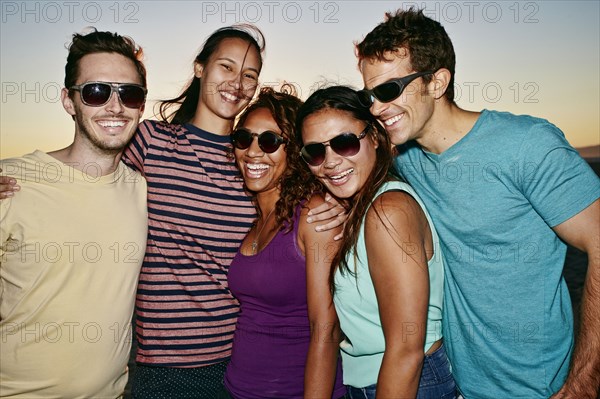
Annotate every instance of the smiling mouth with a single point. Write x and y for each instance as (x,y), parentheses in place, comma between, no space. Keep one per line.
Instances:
(109,124)
(230,97)
(256,170)
(340,176)
(392,120)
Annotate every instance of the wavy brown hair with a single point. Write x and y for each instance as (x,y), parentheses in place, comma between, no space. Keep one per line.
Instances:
(297,183)
(345,99)
(429,46)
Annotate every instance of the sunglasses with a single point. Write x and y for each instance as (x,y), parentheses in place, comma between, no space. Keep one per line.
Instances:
(388,91)
(345,144)
(97,94)
(268,141)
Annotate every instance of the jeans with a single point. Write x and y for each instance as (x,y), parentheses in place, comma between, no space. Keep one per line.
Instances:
(436,380)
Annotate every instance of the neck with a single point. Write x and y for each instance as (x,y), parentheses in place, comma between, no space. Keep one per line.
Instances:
(446,127)
(89,161)
(207,120)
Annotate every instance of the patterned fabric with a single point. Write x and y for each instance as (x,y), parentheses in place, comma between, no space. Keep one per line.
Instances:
(198,214)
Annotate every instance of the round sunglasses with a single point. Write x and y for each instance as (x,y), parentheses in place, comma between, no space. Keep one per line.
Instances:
(387,91)
(268,141)
(345,144)
(97,94)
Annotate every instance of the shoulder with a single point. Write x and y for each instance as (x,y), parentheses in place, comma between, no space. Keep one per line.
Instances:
(161,127)
(395,208)
(33,163)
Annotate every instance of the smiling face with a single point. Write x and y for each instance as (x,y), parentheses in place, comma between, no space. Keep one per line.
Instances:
(344,176)
(228,79)
(261,171)
(407,117)
(107,128)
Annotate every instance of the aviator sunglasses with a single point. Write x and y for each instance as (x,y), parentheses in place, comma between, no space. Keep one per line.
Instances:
(388,91)
(96,94)
(268,141)
(345,144)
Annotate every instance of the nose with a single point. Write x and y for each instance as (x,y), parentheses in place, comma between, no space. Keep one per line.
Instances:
(332,159)
(377,108)
(254,150)
(114,104)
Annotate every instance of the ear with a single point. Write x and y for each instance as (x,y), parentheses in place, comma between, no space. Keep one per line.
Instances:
(67,102)
(198,68)
(439,83)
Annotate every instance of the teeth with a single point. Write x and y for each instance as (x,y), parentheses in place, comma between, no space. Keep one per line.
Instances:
(257,166)
(111,123)
(393,120)
(229,96)
(341,175)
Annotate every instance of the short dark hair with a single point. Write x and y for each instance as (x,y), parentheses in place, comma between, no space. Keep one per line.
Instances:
(428,45)
(102,42)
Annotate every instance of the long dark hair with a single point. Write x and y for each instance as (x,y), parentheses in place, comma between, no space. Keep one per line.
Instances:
(345,99)
(297,182)
(187,102)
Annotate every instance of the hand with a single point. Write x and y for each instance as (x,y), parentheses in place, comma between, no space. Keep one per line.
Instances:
(332,212)
(8,186)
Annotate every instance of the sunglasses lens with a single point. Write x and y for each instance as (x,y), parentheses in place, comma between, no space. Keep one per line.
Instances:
(132,96)
(346,144)
(96,94)
(313,154)
(241,139)
(365,98)
(387,92)
(269,142)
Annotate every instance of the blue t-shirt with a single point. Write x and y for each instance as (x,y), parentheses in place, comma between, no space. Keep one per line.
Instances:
(494,197)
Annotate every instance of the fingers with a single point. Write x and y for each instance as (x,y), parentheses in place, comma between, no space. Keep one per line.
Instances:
(8,187)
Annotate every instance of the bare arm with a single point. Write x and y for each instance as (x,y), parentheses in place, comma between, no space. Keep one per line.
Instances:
(396,241)
(8,186)
(583,232)
(321,362)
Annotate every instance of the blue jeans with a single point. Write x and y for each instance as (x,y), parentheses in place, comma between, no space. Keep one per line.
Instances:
(436,380)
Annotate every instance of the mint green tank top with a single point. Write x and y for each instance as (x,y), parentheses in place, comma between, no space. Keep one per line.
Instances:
(356,306)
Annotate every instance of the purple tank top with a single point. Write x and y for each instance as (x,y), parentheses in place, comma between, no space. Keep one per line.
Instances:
(272,334)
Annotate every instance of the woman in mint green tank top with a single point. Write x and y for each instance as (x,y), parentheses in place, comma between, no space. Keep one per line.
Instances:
(387,277)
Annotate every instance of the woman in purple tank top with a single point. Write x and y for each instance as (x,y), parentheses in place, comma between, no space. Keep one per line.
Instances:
(286,338)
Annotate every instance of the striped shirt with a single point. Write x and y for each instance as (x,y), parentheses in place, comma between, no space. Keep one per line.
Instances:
(198,215)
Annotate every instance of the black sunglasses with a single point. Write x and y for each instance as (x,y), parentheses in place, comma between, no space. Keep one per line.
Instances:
(388,91)
(96,94)
(345,144)
(268,141)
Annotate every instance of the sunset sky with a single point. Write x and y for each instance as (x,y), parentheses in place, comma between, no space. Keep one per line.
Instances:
(528,57)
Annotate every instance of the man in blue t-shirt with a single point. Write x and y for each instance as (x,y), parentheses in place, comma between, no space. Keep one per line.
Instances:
(506,193)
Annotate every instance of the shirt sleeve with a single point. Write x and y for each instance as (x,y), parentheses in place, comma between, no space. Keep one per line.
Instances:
(555,179)
(135,154)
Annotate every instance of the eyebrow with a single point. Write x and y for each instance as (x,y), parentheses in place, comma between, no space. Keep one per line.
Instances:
(235,62)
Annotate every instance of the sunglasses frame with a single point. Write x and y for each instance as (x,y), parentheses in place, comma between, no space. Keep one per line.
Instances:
(278,141)
(327,143)
(114,87)
(401,83)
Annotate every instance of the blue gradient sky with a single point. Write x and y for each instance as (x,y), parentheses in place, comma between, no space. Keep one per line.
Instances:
(534,57)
